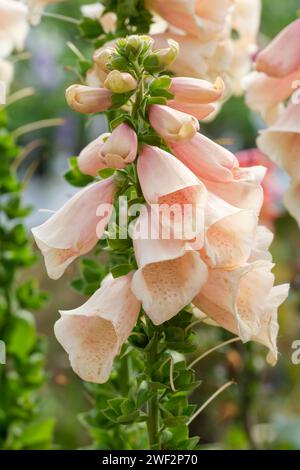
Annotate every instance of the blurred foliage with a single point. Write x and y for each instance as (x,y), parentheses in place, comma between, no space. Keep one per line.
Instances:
(263,410)
(21,426)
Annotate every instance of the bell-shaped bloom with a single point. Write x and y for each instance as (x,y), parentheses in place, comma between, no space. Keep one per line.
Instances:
(272,184)
(196,91)
(120,148)
(245,302)
(196,17)
(120,82)
(90,160)
(219,170)
(180,196)
(266,95)
(281,143)
(88,100)
(168,276)
(172,125)
(94,333)
(229,235)
(282,56)
(13,26)
(199,111)
(115,150)
(75,228)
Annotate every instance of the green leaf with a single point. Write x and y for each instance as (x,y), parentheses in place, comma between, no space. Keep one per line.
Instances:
(90,28)
(121,270)
(163,82)
(106,172)
(21,335)
(37,433)
(74,175)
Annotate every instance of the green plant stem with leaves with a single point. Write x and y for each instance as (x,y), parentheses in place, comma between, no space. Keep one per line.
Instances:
(23,374)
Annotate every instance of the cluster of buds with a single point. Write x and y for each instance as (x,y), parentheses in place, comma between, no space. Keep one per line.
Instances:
(206,247)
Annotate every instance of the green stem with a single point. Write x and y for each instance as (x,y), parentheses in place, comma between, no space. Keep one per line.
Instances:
(153,402)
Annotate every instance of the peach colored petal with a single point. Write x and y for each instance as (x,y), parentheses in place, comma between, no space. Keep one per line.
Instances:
(88,100)
(292,200)
(172,125)
(13,26)
(75,228)
(230,233)
(170,184)
(196,91)
(165,287)
(245,302)
(282,56)
(94,333)
(205,158)
(120,148)
(266,95)
(199,111)
(281,141)
(89,159)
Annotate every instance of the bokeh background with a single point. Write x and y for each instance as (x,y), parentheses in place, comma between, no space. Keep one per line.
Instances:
(263,409)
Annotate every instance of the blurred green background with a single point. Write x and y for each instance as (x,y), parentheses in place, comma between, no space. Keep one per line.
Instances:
(263,409)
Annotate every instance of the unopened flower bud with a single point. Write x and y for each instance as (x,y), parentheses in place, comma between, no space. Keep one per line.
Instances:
(120,82)
(88,100)
(172,125)
(102,58)
(169,54)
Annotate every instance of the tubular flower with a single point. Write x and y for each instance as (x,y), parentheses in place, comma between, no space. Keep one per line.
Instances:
(88,100)
(281,143)
(115,150)
(168,183)
(245,302)
(94,333)
(168,276)
(219,170)
(76,228)
(171,124)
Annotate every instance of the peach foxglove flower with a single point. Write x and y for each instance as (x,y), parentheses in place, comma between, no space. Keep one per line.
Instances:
(272,185)
(94,333)
(266,95)
(281,143)
(230,234)
(120,148)
(115,150)
(165,181)
(89,159)
(219,170)
(282,56)
(196,91)
(88,100)
(196,17)
(245,302)
(168,276)
(172,125)
(13,26)
(120,82)
(76,228)
(199,111)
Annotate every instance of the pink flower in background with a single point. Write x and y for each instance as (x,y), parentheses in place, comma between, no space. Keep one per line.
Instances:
(172,125)
(272,185)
